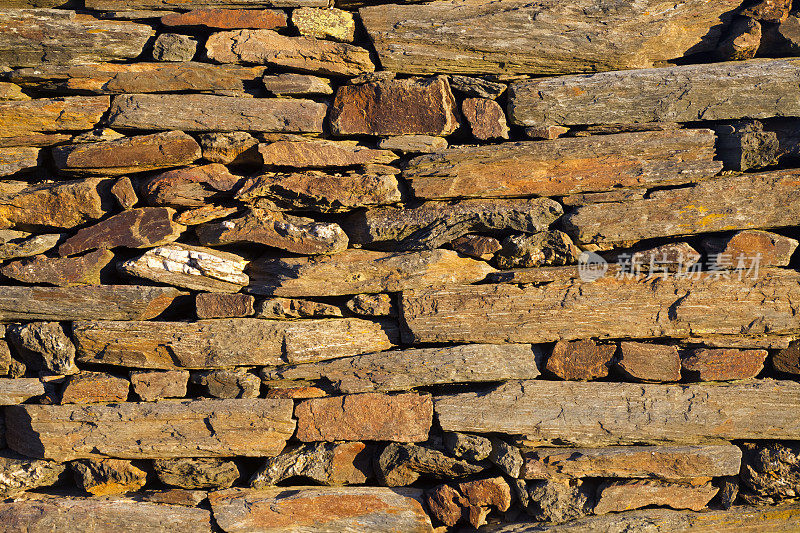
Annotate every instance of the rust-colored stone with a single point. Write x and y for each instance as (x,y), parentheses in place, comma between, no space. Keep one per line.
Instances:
(51,114)
(788,359)
(446,504)
(218,305)
(60,271)
(769,10)
(101,477)
(228,19)
(722,364)
(321,154)
(650,362)
(295,393)
(190,187)
(95,387)
(615,496)
(580,360)
(769,249)
(477,246)
(19,159)
(124,192)
(486,118)
(153,386)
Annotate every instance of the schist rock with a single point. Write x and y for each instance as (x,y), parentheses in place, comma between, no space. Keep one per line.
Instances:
(356,271)
(60,271)
(395,107)
(181,428)
(769,248)
(223,383)
(291,84)
(744,144)
(327,463)
(544,38)
(742,41)
(234,147)
(174,47)
(101,477)
(401,464)
(331,23)
(321,154)
(22,473)
(17,390)
(20,159)
(23,244)
(51,114)
(94,387)
(228,19)
(372,305)
(290,308)
(647,362)
(152,386)
(43,346)
(191,186)
(187,112)
(476,87)
(180,5)
(196,473)
(219,305)
(565,165)
(722,364)
(305,54)
(486,118)
(581,359)
(226,343)
(545,248)
(413,144)
(613,496)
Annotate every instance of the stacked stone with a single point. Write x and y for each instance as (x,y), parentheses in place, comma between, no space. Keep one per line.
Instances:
(275,265)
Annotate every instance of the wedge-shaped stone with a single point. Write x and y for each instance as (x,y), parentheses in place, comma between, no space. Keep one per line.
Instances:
(128,155)
(613,496)
(192,267)
(398,370)
(33,36)
(151,430)
(189,112)
(405,417)
(763,200)
(360,271)
(662,462)
(305,54)
(549,37)
(720,91)
(363,509)
(228,342)
(395,107)
(323,192)
(606,308)
(180,5)
(627,413)
(60,271)
(103,302)
(433,224)
(17,390)
(566,165)
(51,114)
(228,19)
(321,154)
(113,78)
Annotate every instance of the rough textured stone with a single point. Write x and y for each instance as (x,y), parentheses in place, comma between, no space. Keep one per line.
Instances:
(137,228)
(11,91)
(189,498)
(418,367)
(180,5)
(226,343)
(216,305)
(288,308)
(321,154)
(329,23)
(19,159)
(124,193)
(34,36)
(191,187)
(28,246)
(372,305)
(558,501)
(128,155)
(361,271)
(327,463)
(581,360)
(228,19)
(291,84)
(324,192)
(191,267)
(744,144)
(742,41)
(625,413)
(769,10)
(770,248)
(565,166)
(180,428)
(236,147)
(445,504)
(60,271)
(395,107)
(770,472)
(506,457)
(471,447)
(227,383)
(413,144)
(372,416)
(662,462)
(305,54)
(207,213)
(51,114)
(546,248)
(485,118)
(722,364)
(544,38)
(20,473)
(366,509)
(95,387)
(672,257)
(432,224)
(188,112)
(787,359)
(483,493)
(476,87)
(613,496)
(196,473)
(174,47)
(100,477)
(17,390)
(43,346)
(152,386)
(299,235)
(649,362)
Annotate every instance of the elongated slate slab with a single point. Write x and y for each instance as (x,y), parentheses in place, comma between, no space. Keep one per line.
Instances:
(44,513)
(181,5)
(397,370)
(627,413)
(751,201)
(363,509)
(189,112)
(228,342)
(756,89)
(151,430)
(33,36)
(547,37)
(663,462)
(51,114)
(17,390)
(566,165)
(101,302)
(606,308)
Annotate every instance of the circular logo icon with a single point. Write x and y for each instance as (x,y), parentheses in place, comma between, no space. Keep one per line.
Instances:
(591,266)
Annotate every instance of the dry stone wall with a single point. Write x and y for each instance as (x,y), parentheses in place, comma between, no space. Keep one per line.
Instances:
(284,265)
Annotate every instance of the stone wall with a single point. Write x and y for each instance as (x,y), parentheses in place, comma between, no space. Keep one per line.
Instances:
(275,265)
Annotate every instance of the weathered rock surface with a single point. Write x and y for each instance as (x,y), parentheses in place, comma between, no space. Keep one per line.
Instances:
(95,387)
(566,165)
(305,54)
(327,463)
(34,36)
(107,302)
(137,228)
(614,496)
(223,383)
(545,38)
(787,359)
(445,504)
(217,305)
(291,84)
(235,147)
(321,154)
(662,462)
(720,364)
(19,159)
(769,248)
(372,305)
(17,390)
(476,87)
(399,370)
(768,10)
(152,386)
(202,473)
(366,509)
(401,464)
(180,5)
(51,114)
(191,187)
(720,91)
(188,112)
(395,107)
(486,118)
(744,144)
(184,428)
(558,501)
(289,308)
(207,213)
(100,477)
(191,267)
(581,360)
(403,417)
(742,41)
(295,234)
(124,193)
(228,19)
(770,472)
(43,346)
(471,447)
(481,494)
(626,413)
(331,23)
(227,342)
(174,47)
(546,248)
(128,155)
(361,271)
(20,473)
(28,245)
(647,362)
(421,144)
